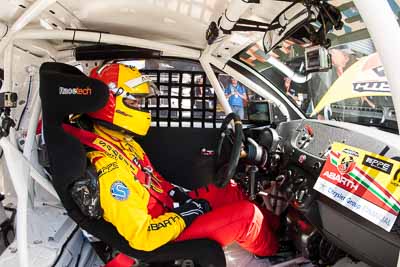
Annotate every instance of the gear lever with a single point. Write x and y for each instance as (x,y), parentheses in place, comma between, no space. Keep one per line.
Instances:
(252,182)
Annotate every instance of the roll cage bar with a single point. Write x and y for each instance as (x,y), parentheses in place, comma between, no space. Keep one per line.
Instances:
(381,23)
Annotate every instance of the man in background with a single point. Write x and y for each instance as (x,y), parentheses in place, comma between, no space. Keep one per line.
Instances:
(236,95)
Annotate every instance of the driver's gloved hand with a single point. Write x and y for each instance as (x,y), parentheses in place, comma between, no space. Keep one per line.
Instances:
(178,196)
(191,209)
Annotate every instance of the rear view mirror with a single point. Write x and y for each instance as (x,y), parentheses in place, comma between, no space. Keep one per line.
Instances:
(259,112)
(317,58)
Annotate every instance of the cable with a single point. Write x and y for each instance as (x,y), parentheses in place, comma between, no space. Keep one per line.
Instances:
(26,102)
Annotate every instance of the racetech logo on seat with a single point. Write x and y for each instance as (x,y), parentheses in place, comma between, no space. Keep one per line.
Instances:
(74,91)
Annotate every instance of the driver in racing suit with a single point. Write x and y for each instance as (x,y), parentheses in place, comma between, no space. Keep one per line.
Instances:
(146,209)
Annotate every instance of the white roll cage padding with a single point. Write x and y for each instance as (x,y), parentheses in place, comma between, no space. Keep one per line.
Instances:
(379,21)
(384,29)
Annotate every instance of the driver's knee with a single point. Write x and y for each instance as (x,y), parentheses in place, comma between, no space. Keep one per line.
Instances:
(253,220)
(258,236)
(218,197)
(241,221)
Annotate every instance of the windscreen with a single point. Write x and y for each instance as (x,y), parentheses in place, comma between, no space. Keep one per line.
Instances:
(354,90)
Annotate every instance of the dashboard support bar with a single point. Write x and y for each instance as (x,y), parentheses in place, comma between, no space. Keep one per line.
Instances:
(385,32)
(206,64)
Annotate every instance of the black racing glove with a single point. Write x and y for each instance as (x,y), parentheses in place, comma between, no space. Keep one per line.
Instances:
(178,196)
(191,209)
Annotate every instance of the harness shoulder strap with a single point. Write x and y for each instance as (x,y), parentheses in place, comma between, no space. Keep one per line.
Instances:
(144,174)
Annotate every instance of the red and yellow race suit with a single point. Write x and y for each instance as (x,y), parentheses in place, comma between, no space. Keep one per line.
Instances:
(127,204)
(135,200)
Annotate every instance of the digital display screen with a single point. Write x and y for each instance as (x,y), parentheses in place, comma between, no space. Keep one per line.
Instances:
(258,111)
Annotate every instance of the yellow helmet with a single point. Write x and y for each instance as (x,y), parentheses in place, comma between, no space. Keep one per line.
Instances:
(128,91)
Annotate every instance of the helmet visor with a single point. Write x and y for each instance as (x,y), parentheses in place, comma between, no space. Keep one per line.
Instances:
(153,90)
(134,101)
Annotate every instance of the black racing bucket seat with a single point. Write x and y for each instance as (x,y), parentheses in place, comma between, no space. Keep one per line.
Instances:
(65,90)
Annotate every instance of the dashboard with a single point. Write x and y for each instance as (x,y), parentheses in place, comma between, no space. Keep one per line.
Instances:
(302,147)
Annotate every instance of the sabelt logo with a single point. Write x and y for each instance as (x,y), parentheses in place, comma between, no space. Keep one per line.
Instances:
(74,91)
(378,164)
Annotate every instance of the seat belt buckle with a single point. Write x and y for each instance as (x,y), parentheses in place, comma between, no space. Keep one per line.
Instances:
(149,174)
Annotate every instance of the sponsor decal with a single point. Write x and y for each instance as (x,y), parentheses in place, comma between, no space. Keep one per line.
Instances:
(152,181)
(378,87)
(346,164)
(357,204)
(351,152)
(378,164)
(137,81)
(119,191)
(123,113)
(106,169)
(163,224)
(74,91)
(364,182)
(114,154)
(396,179)
(372,77)
(348,183)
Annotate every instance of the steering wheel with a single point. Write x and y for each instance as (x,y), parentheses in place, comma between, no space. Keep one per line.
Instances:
(226,169)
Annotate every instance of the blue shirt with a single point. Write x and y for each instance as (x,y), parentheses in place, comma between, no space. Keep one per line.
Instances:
(235,100)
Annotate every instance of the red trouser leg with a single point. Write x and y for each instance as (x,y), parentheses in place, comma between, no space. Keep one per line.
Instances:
(219,196)
(233,219)
(121,260)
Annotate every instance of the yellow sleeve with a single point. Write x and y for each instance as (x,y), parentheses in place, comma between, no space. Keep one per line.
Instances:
(124,201)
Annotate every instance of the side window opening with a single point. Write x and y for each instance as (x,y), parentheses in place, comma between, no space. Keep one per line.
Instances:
(251,107)
(186,97)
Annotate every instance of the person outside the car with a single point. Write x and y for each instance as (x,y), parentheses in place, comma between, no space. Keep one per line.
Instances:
(236,95)
(290,91)
(145,208)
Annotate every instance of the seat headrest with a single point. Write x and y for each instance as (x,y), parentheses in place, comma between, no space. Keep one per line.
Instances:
(64,90)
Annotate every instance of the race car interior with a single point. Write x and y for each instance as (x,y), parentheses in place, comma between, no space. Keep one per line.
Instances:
(293,154)
(62,147)
(313,155)
(290,153)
